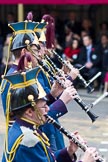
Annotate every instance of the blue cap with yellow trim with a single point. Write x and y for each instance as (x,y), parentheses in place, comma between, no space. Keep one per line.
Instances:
(24,33)
(25,89)
(40,27)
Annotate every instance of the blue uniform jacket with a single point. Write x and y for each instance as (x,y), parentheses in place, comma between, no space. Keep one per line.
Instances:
(44,80)
(54,135)
(33,145)
(57,109)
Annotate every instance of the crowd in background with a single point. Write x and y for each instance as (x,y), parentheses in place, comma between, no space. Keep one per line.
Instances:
(75,41)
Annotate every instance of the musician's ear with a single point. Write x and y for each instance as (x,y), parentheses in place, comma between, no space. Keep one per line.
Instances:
(23,51)
(29,113)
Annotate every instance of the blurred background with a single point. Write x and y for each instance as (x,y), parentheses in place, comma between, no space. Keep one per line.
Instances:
(72,22)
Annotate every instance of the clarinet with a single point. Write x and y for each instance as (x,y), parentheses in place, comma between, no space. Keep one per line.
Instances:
(91,89)
(57,70)
(69,135)
(82,104)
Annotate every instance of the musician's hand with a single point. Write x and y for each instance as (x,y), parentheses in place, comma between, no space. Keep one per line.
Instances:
(66,82)
(68,94)
(65,69)
(90,155)
(56,89)
(89,65)
(72,148)
(73,73)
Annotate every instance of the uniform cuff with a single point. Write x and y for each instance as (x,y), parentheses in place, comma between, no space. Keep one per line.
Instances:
(50,98)
(65,156)
(60,106)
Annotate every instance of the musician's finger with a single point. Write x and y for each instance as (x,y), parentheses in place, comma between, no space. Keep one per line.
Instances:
(75,96)
(73,144)
(76,132)
(79,138)
(98,157)
(95,155)
(92,151)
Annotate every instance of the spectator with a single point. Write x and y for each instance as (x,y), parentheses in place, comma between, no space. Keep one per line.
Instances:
(1,52)
(5,55)
(106,82)
(10,19)
(59,50)
(72,51)
(104,52)
(87,26)
(73,23)
(90,57)
(103,29)
(82,34)
(68,36)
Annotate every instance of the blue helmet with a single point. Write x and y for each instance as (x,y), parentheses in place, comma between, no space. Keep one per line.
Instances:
(24,89)
(23,34)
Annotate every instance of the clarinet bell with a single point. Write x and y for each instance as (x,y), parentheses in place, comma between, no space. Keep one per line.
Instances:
(92,116)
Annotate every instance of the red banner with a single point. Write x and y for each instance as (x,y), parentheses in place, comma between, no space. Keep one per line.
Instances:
(77,2)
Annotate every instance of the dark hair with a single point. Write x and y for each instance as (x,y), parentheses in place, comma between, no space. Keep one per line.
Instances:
(19,97)
(83,30)
(105,23)
(75,39)
(69,25)
(19,113)
(106,35)
(17,53)
(87,35)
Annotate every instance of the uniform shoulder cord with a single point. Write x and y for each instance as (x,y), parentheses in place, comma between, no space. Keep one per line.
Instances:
(9,155)
(44,142)
(41,69)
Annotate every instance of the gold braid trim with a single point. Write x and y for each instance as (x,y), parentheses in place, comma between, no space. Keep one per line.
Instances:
(9,155)
(31,122)
(24,84)
(43,142)
(39,30)
(23,31)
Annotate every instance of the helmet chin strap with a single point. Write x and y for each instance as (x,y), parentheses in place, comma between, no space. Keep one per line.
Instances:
(39,115)
(37,112)
(32,52)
